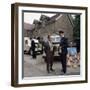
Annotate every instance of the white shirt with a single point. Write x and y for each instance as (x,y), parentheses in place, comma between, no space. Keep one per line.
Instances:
(51,46)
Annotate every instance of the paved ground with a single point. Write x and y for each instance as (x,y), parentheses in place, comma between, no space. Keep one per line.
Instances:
(37,67)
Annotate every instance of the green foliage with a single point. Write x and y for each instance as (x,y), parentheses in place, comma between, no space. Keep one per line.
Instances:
(76,30)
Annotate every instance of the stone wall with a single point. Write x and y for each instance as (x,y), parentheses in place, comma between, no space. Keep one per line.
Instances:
(63,23)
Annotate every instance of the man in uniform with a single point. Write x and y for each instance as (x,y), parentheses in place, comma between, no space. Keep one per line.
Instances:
(63,45)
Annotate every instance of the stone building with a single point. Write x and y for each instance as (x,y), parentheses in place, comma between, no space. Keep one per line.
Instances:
(28,29)
(52,25)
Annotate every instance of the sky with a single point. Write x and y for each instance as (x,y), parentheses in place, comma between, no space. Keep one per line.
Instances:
(29,17)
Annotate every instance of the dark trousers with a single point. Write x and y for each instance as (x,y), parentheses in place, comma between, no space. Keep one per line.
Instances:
(49,60)
(33,53)
(63,62)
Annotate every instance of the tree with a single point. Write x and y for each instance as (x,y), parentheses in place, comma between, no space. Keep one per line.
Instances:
(76,30)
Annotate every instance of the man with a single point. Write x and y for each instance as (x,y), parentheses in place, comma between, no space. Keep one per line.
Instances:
(49,54)
(63,45)
(33,49)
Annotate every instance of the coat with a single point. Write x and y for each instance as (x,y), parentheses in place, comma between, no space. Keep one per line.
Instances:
(64,45)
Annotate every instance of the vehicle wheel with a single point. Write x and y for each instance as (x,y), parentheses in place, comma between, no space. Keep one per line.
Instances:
(24,51)
(41,52)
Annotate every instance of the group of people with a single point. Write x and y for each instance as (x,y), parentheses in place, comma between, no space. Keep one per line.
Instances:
(49,50)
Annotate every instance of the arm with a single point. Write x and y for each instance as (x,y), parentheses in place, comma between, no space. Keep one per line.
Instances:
(64,43)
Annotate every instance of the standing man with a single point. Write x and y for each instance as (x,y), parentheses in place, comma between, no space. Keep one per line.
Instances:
(49,54)
(63,45)
(33,49)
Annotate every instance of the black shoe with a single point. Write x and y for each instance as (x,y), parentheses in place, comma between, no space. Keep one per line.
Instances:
(52,70)
(64,72)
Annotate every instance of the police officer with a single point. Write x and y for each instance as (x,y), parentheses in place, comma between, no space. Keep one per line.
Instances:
(63,45)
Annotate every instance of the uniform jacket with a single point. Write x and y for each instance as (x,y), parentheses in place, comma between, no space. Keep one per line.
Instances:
(64,45)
